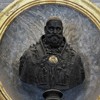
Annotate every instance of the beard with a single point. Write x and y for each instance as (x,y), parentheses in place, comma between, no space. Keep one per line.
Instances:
(54,40)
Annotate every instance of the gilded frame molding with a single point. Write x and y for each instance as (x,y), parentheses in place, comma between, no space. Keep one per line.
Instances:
(3,93)
(18,6)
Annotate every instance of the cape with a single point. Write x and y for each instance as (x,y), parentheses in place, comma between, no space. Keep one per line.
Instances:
(64,73)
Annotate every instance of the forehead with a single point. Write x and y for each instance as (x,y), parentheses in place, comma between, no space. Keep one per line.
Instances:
(54,23)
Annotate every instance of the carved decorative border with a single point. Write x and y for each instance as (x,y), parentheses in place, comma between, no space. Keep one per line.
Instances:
(3,93)
(98,98)
(18,6)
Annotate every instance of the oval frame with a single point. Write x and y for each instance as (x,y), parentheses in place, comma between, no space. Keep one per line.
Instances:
(15,8)
(18,6)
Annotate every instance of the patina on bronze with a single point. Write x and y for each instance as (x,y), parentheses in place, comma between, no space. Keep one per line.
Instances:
(52,63)
(52,94)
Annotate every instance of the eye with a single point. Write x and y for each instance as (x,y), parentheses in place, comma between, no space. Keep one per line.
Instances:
(51,28)
(58,29)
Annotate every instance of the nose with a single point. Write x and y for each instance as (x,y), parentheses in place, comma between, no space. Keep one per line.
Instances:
(55,31)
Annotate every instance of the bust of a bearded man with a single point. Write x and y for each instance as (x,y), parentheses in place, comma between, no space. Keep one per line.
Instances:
(52,63)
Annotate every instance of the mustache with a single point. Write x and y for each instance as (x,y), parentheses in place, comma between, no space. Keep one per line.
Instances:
(54,35)
(53,38)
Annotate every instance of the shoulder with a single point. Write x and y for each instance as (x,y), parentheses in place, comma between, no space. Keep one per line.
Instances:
(29,51)
(72,53)
(70,50)
(33,50)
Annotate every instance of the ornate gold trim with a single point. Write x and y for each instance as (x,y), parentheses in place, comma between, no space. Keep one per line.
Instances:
(3,93)
(18,6)
(98,97)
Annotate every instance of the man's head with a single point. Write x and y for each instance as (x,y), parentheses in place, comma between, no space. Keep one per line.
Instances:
(54,26)
(54,32)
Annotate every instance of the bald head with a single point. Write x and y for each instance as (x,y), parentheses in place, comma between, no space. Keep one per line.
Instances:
(54,19)
(54,26)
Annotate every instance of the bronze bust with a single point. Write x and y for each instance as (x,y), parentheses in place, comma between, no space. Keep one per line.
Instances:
(52,63)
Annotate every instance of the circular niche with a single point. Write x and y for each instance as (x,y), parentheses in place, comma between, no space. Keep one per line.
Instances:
(26,29)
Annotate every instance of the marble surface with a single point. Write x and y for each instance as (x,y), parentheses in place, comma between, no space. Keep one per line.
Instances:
(27,28)
(4,3)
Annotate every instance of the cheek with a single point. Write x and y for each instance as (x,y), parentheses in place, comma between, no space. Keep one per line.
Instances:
(50,31)
(60,31)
